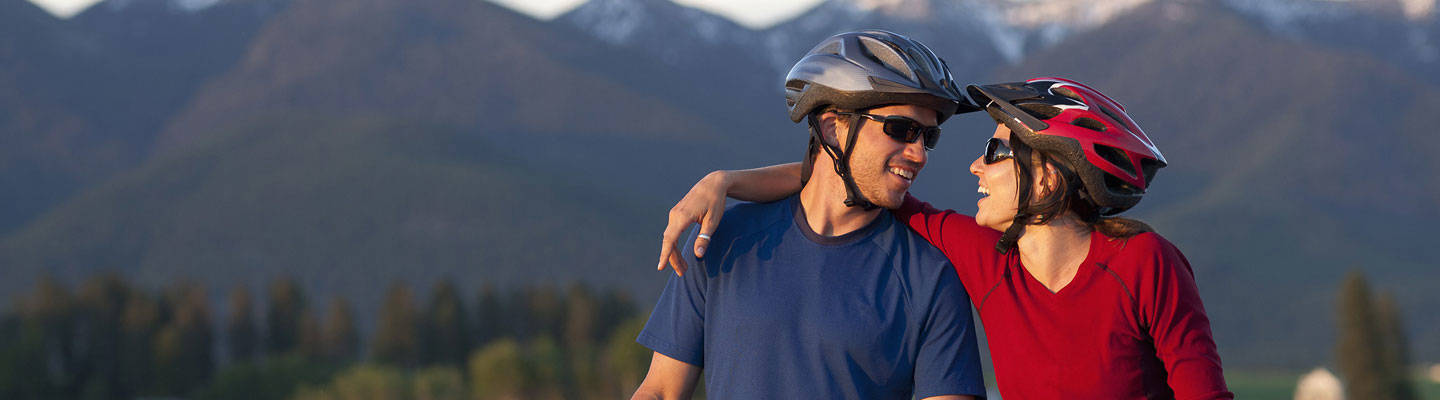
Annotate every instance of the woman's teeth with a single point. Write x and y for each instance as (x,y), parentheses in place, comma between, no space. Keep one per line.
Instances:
(982,190)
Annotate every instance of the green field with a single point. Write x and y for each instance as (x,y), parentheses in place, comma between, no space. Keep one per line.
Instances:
(1280,385)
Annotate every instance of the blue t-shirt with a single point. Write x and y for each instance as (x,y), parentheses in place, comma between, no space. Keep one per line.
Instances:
(776,311)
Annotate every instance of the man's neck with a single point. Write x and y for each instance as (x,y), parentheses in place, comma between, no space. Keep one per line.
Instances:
(823,200)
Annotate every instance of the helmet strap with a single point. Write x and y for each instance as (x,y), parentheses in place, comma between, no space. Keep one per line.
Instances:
(1011,237)
(841,161)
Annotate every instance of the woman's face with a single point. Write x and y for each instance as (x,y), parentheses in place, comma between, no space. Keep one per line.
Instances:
(997,204)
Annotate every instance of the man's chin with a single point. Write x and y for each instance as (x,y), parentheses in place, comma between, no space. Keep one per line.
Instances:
(890,201)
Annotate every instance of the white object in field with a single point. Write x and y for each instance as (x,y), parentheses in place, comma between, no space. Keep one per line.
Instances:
(1319,384)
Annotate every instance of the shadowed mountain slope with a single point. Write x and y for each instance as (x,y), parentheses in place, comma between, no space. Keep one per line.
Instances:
(84,97)
(469,63)
(346,205)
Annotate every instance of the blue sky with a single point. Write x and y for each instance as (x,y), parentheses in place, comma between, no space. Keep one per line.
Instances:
(752,13)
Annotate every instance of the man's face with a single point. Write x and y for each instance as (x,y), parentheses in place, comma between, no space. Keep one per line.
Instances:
(883,167)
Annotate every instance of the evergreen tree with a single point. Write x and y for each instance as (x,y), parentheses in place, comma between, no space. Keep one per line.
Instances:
(616,308)
(183,349)
(23,364)
(139,327)
(582,312)
(282,318)
(396,337)
(1395,348)
(446,331)
(95,365)
(240,332)
(312,340)
(340,340)
(543,309)
(1358,346)
(580,332)
(48,332)
(490,317)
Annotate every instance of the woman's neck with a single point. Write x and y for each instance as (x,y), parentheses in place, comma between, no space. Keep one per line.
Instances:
(1052,252)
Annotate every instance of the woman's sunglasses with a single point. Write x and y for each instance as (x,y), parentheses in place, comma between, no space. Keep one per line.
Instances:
(997,151)
(904,130)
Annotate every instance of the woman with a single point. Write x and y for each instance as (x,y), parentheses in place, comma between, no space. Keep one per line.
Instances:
(1076,303)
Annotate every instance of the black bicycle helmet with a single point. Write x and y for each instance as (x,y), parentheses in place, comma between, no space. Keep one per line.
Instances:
(859,70)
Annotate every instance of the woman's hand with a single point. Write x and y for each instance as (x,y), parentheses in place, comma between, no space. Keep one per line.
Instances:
(704,204)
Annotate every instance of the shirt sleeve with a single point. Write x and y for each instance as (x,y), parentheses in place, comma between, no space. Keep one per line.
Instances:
(948,362)
(677,324)
(1170,303)
(969,246)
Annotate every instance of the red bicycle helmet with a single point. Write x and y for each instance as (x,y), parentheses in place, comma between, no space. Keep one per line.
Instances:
(1085,129)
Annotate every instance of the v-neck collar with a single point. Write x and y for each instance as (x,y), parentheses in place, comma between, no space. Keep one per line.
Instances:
(1082,272)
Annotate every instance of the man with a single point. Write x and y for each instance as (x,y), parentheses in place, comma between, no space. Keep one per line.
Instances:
(824,294)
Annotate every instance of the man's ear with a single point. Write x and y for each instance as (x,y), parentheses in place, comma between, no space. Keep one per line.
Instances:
(830,127)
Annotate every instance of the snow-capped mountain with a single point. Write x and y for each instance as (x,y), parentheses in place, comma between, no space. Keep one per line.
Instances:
(1280,13)
(1403,32)
(973,35)
(968,34)
(661,28)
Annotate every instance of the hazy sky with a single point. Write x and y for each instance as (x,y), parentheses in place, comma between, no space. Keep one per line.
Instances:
(64,8)
(753,13)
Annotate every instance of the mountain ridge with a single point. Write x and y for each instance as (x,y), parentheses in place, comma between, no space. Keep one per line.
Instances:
(392,141)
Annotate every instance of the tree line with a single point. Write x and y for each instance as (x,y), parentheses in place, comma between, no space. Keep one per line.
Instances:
(1371,350)
(109,339)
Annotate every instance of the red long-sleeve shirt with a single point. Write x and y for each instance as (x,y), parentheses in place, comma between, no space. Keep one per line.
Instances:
(1130,325)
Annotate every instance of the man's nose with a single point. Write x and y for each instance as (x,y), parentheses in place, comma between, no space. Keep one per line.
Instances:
(915,152)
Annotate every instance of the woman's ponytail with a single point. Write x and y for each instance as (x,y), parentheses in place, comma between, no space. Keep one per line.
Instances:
(1120,227)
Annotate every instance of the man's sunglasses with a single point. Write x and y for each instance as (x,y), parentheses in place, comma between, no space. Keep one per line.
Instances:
(904,130)
(996,151)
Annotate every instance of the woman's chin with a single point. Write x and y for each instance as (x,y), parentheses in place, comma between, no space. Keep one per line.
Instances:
(992,223)
(999,227)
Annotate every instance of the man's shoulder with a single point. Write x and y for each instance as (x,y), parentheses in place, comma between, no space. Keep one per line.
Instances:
(911,245)
(916,259)
(746,218)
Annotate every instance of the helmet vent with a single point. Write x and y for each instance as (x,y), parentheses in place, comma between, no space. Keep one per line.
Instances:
(1040,111)
(1113,115)
(830,48)
(883,54)
(1089,123)
(1115,156)
(1068,92)
(1117,186)
(796,85)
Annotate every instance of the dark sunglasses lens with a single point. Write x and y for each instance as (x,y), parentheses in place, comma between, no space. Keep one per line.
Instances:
(907,130)
(995,150)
